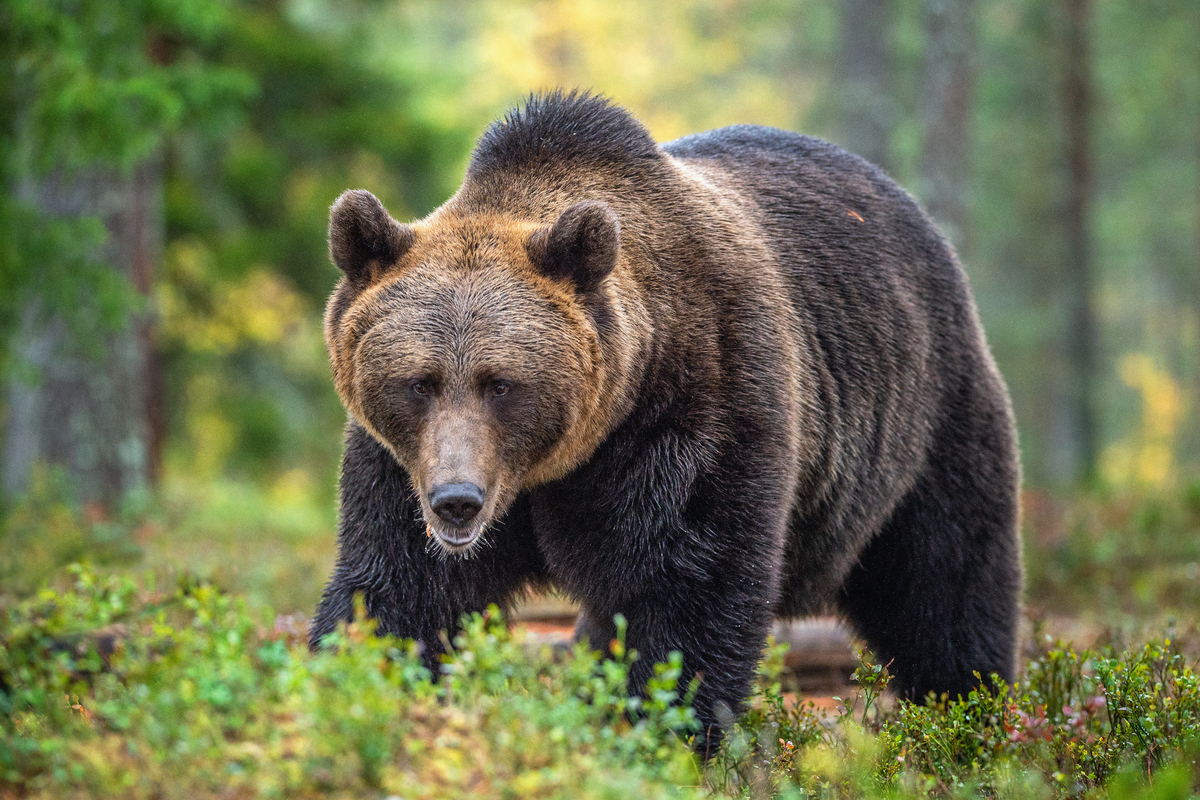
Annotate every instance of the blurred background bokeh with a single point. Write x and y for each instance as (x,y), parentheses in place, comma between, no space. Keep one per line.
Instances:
(168,167)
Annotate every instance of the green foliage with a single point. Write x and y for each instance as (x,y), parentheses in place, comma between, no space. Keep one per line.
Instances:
(1106,555)
(246,267)
(99,81)
(272,546)
(1077,724)
(154,690)
(116,688)
(44,532)
(87,85)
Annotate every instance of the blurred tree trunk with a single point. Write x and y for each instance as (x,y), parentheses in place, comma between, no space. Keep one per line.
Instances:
(1079,281)
(92,407)
(867,109)
(947,89)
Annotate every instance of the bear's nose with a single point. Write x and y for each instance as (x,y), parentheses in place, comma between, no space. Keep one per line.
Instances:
(457,503)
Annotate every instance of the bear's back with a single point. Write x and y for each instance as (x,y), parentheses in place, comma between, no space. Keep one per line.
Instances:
(808,181)
(858,252)
(884,306)
(741,141)
(843,231)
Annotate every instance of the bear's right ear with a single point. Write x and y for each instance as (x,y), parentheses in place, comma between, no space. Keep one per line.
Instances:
(581,246)
(363,239)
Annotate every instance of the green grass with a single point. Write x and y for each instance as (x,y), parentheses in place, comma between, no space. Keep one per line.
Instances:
(273,548)
(111,688)
(161,671)
(201,698)
(1135,555)
(1110,560)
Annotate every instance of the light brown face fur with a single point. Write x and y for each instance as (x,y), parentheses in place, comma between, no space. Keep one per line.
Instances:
(466,361)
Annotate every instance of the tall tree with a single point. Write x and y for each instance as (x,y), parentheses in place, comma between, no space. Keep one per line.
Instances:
(868,112)
(91,406)
(344,100)
(1079,283)
(947,89)
(90,89)
(1196,275)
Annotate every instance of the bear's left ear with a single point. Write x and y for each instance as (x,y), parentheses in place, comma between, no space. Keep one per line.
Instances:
(363,238)
(581,247)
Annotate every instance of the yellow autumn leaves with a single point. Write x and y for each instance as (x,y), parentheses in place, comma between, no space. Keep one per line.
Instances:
(1146,456)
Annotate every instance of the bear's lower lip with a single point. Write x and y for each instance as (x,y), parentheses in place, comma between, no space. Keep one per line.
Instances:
(457,537)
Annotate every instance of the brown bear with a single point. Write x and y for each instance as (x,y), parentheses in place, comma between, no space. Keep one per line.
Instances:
(705,384)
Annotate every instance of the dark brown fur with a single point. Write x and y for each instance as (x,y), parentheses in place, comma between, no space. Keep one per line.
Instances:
(733,377)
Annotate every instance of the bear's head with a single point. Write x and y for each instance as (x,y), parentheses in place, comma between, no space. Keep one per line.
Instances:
(475,348)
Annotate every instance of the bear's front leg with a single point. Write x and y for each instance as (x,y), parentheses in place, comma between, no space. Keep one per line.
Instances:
(410,586)
(690,557)
(719,629)
(721,653)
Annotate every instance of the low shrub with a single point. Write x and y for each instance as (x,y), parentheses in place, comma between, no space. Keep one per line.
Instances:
(1103,555)
(1077,724)
(119,688)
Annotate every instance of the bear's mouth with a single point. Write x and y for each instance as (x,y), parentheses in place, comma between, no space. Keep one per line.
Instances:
(457,537)
(459,541)
(456,531)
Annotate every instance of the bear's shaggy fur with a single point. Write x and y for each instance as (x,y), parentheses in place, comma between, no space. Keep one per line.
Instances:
(734,377)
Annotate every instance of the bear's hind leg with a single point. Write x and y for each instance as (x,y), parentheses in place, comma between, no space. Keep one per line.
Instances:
(937,593)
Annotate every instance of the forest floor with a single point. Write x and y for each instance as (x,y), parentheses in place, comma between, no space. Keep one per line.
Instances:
(176,666)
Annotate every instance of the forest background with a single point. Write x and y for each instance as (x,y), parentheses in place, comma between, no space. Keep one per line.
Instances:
(168,167)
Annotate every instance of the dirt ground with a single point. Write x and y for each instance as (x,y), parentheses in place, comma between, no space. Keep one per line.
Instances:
(818,665)
(821,654)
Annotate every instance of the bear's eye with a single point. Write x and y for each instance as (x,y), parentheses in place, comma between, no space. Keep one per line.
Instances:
(420,388)
(499,388)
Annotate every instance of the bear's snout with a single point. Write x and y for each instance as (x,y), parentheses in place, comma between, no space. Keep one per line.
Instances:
(456,503)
